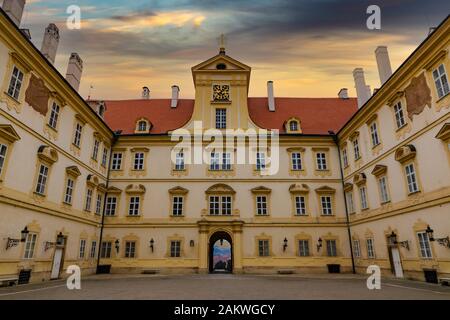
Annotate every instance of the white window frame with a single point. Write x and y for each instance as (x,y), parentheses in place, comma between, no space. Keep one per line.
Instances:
(296,161)
(116,163)
(82,251)
(424,245)
(383,187)
(30,245)
(179,161)
(130,249)
(175,248)
(350,202)
(261,205)
(326,204)
(331,248)
(111,206)
(177,206)
(134,206)
(221,118)
(220,205)
(88,201)
(15,83)
(70,183)
(363,197)
(399,115)
(106,249)
(260,161)
(303,248)
(93,249)
(263,248)
(77,135)
(374,135)
(321,161)
(3,152)
(345,157)
(300,205)
(139,158)
(356,248)
(411,178)
(356,151)
(54,115)
(105,156)
(370,244)
(99,204)
(441,81)
(41,184)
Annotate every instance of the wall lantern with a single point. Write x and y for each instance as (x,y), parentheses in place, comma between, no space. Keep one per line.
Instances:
(192,243)
(319,244)
(152,242)
(14,242)
(117,245)
(393,238)
(442,241)
(59,242)
(285,244)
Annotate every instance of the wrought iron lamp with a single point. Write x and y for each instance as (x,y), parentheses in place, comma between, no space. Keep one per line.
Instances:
(117,245)
(442,241)
(285,244)
(404,244)
(14,242)
(319,244)
(152,242)
(59,241)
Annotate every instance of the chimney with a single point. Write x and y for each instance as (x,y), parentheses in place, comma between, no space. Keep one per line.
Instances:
(74,71)
(175,94)
(50,42)
(384,64)
(270,96)
(362,90)
(14,9)
(145,93)
(343,93)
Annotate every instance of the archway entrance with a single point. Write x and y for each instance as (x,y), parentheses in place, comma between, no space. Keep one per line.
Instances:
(220,253)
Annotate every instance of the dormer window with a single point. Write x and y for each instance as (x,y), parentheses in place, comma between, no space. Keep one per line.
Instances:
(143,126)
(292,125)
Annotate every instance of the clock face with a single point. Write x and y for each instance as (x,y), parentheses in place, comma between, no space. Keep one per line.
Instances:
(221,92)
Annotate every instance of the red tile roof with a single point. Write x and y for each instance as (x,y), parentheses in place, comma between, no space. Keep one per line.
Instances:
(317,115)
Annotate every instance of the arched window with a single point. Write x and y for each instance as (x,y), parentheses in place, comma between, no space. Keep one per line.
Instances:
(292,125)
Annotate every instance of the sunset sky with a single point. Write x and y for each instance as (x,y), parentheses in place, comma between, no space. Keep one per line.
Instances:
(308,48)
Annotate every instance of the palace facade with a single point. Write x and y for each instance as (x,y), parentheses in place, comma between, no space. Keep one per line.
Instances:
(102,184)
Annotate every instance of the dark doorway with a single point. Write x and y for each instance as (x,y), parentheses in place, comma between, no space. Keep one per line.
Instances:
(220,253)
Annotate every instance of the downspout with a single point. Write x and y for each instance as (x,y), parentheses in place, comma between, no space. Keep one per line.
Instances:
(336,140)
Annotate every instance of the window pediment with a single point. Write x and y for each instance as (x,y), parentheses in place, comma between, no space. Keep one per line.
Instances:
(92,180)
(8,133)
(348,186)
(143,125)
(73,171)
(178,190)
(379,170)
(261,189)
(114,190)
(220,188)
(47,154)
(444,133)
(298,188)
(359,178)
(405,153)
(325,189)
(102,187)
(293,125)
(135,188)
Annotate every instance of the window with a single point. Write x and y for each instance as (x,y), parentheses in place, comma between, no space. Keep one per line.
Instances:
(93,249)
(116,161)
(411,178)
(363,197)
(220,161)
(326,205)
(98,204)
(77,137)
(177,206)
(133,210)
(300,206)
(321,161)
(374,134)
(69,191)
(30,244)
(226,161)
(221,118)
(370,248)
(179,161)
(399,116)
(441,81)
(220,205)
(142,126)
(175,249)
(87,205)
(356,249)
(42,179)
(3,149)
(54,114)
(105,251)
(345,157)
(261,205)
(293,126)
(105,157)
(424,243)
(349,199)
(331,248)
(296,159)
(139,161)
(16,83)
(111,204)
(130,249)
(382,182)
(214,164)
(260,161)
(263,248)
(303,248)
(82,248)
(356,149)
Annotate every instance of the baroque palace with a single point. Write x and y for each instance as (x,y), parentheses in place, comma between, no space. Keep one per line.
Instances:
(361,181)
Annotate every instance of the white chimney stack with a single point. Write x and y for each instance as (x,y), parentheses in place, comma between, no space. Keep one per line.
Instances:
(270,96)
(175,94)
(145,93)
(384,64)
(362,90)
(14,9)
(50,42)
(74,71)
(343,93)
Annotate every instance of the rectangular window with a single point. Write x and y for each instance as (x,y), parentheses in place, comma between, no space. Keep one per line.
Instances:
(111,204)
(382,182)
(321,161)
(296,161)
(300,206)
(133,210)
(221,118)
(363,197)
(226,205)
(77,137)
(261,205)
(15,83)
(105,251)
(220,161)
(42,179)
(98,204)
(88,202)
(441,81)
(260,161)
(303,248)
(356,149)
(82,248)
(130,249)
(214,205)
(325,202)
(177,206)
(356,249)
(214,164)
(226,161)
(3,149)
(349,199)
(263,248)
(54,114)
(374,134)
(411,178)
(30,244)
(175,249)
(399,116)
(179,161)
(116,161)
(345,157)
(93,249)
(139,161)
(220,205)
(69,191)
(105,157)
(370,248)
(331,248)
(424,243)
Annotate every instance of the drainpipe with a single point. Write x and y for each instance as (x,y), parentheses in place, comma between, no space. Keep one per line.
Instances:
(336,140)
